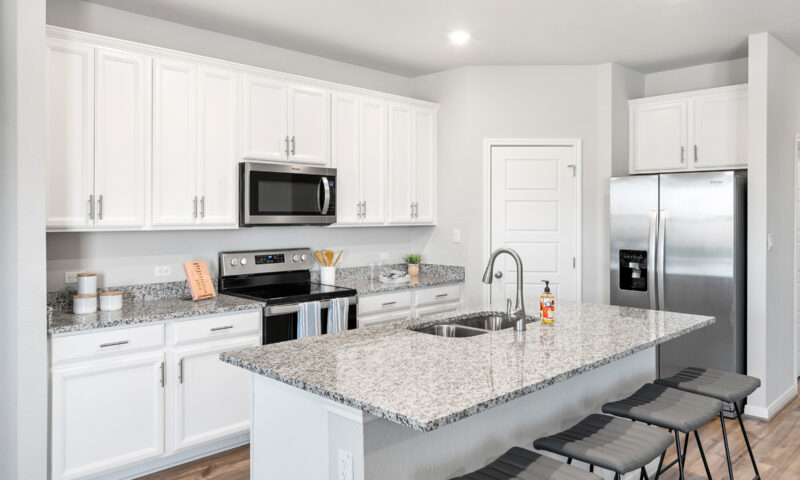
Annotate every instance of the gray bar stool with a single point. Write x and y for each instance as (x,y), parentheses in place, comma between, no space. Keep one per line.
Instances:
(669,408)
(612,443)
(725,386)
(522,464)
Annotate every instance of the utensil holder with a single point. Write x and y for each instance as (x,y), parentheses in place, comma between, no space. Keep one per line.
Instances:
(327,275)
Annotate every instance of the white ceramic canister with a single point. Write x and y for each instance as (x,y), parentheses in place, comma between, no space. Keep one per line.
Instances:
(87,284)
(327,275)
(83,304)
(110,301)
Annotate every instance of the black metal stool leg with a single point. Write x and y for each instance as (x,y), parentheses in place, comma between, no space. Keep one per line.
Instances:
(746,440)
(727,450)
(660,463)
(643,475)
(685,447)
(678,450)
(569,461)
(702,454)
(617,477)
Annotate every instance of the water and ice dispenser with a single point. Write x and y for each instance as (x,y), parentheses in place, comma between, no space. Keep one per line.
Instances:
(633,270)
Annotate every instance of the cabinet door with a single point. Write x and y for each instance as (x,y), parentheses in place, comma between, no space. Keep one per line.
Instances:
(373,160)
(720,130)
(106,415)
(122,97)
(659,136)
(218,146)
(265,105)
(174,142)
(425,165)
(212,398)
(344,157)
(309,124)
(401,156)
(70,134)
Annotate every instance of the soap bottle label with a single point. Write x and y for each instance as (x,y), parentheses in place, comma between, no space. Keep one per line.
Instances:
(547,306)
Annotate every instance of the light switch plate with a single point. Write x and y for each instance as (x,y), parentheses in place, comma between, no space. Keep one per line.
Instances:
(770,241)
(163,270)
(456,235)
(70,277)
(384,256)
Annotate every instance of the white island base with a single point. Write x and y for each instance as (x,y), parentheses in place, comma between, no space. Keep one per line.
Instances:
(300,435)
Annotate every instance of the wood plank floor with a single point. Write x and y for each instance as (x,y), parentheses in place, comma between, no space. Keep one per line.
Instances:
(776,445)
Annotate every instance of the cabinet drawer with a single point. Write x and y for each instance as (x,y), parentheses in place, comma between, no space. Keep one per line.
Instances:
(384,303)
(209,328)
(431,296)
(106,343)
(436,309)
(368,320)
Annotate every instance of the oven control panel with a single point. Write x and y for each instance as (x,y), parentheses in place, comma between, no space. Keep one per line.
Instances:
(264,261)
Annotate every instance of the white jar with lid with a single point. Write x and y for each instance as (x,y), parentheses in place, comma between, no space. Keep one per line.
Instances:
(83,304)
(87,284)
(110,301)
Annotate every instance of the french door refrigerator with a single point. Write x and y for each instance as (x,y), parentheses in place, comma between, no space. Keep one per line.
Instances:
(678,243)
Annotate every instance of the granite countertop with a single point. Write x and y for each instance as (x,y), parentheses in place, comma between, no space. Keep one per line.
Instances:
(424,382)
(148,310)
(430,275)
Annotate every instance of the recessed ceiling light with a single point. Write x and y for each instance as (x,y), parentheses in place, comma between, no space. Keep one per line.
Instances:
(459,36)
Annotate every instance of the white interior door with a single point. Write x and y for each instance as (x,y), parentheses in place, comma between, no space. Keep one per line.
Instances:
(534,211)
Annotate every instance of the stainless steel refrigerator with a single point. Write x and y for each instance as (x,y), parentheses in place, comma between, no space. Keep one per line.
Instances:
(678,243)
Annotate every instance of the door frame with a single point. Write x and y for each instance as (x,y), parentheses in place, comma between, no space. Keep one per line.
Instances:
(488,144)
(795,313)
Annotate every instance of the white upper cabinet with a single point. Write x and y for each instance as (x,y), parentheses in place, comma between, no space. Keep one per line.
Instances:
(309,124)
(703,130)
(70,135)
(345,157)
(373,130)
(266,134)
(412,164)
(122,120)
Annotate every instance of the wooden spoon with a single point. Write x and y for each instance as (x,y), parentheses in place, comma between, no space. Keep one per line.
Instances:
(318,256)
(329,257)
(338,257)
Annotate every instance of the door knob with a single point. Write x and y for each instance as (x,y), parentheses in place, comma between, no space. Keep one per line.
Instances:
(498,274)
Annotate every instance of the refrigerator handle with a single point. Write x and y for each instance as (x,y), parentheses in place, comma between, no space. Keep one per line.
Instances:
(662,230)
(651,259)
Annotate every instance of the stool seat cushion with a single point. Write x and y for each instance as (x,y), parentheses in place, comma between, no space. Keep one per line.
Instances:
(614,443)
(666,407)
(719,384)
(522,464)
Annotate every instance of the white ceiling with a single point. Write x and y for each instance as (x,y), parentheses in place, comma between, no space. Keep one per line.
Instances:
(409,37)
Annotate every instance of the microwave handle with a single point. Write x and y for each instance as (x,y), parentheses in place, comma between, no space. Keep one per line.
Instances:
(327,200)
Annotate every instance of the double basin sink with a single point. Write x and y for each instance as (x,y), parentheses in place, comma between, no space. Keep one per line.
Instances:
(469,326)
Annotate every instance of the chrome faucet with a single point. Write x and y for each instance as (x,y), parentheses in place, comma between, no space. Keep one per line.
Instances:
(518,314)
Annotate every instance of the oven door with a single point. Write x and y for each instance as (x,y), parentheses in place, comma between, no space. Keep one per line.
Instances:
(280,321)
(287,195)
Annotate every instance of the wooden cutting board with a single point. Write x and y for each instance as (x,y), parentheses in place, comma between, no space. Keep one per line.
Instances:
(199,280)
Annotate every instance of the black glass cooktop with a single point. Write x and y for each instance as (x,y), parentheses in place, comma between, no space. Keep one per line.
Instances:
(292,292)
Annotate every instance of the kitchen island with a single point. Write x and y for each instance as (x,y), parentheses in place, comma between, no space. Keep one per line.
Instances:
(390,402)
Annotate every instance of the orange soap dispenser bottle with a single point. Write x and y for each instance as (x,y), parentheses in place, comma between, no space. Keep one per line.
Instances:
(547,304)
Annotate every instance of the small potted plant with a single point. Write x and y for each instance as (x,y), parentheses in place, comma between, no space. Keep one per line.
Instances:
(412,259)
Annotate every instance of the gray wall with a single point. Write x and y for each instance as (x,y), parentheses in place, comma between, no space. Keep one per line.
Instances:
(710,75)
(23,352)
(774,120)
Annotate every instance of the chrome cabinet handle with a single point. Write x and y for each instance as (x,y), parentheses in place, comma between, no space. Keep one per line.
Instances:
(386,304)
(203,206)
(292,145)
(180,371)
(114,344)
(226,327)
(416,209)
(365,209)
(287,145)
(358,209)
(163,377)
(100,208)
(695,154)
(194,207)
(91,207)
(412,209)
(683,154)
(441,295)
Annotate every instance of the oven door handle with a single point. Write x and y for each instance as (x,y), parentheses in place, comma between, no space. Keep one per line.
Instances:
(327,200)
(292,308)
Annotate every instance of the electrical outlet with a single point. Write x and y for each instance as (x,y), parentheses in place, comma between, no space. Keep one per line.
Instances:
(71,277)
(345,465)
(163,270)
(456,235)
(384,256)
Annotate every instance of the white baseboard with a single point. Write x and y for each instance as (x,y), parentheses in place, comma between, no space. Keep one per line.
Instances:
(768,413)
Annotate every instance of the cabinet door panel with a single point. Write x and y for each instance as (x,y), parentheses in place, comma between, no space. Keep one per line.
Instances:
(658,136)
(212,399)
(401,156)
(373,159)
(107,415)
(309,124)
(265,113)
(121,104)
(344,157)
(174,142)
(425,165)
(720,130)
(218,140)
(70,128)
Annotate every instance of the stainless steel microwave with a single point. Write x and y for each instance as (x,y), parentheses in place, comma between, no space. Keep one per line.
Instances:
(273,194)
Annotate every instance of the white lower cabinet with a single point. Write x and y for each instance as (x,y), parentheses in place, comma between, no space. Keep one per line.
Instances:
(127,401)
(409,304)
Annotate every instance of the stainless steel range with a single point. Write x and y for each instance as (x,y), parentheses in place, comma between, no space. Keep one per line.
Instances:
(282,279)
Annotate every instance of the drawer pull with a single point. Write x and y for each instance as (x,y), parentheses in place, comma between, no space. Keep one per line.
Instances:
(114,344)
(386,304)
(441,295)
(226,327)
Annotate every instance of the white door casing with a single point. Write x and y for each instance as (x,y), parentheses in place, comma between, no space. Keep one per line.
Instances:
(533,200)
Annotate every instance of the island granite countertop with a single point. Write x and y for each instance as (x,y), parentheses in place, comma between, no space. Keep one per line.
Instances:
(425,382)
(147,310)
(430,275)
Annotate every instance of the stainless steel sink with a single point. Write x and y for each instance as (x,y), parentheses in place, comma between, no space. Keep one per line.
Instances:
(452,331)
(469,326)
(486,322)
